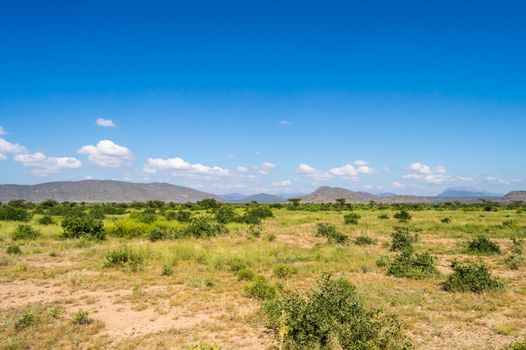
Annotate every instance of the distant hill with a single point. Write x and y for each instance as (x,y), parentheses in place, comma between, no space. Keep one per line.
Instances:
(516,196)
(233,196)
(327,194)
(453,192)
(102,191)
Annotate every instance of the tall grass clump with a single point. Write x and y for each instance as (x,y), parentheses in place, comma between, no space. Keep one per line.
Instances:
(402,216)
(516,257)
(332,316)
(25,232)
(125,258)
(351,218)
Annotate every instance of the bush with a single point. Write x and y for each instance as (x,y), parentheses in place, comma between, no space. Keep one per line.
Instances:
(481,244)
(332,317)
(13,250)
(402,239)
(260,289)
(83,227)
(147,216)
(254,231)
(521,345)
(333,236)
(158,234)
(45,220)
(24,231)
(383,216)
(261,211)
(351,218)
(225,214)
(470,277)
(245,274)
(402,216)
(9,213)
(82,318)
(414,266)
(125,258)
(203,228)
(27,319)
(445,220)
(129,229)
(364,240)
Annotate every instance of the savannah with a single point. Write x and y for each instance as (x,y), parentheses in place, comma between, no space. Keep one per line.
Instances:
(208,275)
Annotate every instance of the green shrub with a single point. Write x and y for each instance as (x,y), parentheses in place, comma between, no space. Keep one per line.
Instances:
(125,258)
(27,319)
(481,244)
(10,213)
(161,234)
(383,261)
(402,239)
(202,228)
(351,218)
(129,229)
(402,216)
(45,220)
(82,318)
(260,289)
(445,220)
(254,231)
(332,317)
(261,211)
(333,236)
(520,345)
(383,216)
(364,240)
(147,216)
(24,231)
(470,277)
(13,250)
(284,271)
(76,226)
(225,214)
(245,274)
(414,266)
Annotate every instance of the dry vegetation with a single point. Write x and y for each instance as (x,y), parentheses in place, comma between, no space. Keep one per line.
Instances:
(153,283)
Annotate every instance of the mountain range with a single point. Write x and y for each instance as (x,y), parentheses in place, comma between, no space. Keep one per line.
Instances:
(120,191)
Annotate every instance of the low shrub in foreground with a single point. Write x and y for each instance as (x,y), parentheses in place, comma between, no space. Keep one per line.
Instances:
(82,318)
(470,277)
(331,317)
(521,345)
(24,231)
(411,265)
(364,240)
(27,319)
(333,236)
(351,218)
(125,258)
(516,258)
(77,226)
(402,239)
(482,244)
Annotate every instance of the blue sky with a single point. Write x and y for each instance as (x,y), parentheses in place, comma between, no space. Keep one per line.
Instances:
(245,96)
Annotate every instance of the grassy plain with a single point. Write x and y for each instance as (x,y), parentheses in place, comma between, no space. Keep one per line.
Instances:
(185,293)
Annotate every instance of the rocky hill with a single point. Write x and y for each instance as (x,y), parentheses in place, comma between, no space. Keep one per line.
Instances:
(453,192)
(102,191)
(516,196)
(327,194)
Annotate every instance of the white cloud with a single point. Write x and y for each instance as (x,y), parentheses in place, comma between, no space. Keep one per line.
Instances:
(284,183)
(106,123)
(267,166)
(349,171)
(420,168)
(241,169)
(107,154)
(2,157)
(498,181)
(2,131)
(397,184)
(180,167)
(432,175)
(43,165)
(11,148)
(285,122)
